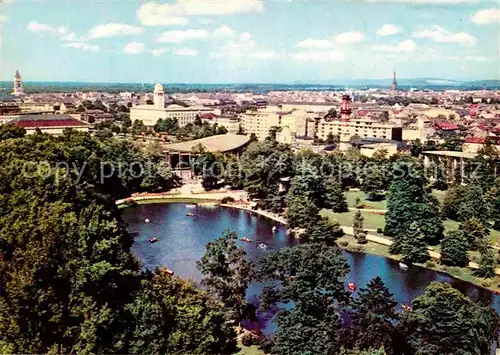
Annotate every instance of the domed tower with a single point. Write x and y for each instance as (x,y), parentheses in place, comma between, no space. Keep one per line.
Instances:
(345,117)
(159,97)
(18,85)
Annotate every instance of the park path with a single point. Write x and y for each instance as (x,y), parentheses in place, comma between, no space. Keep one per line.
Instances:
(367,210)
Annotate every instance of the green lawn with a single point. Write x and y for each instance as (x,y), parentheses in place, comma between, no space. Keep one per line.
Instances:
(451,225)
(248,350)
(372,221)
(351,200)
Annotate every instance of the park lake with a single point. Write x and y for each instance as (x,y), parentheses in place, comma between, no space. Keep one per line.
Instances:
(182,240)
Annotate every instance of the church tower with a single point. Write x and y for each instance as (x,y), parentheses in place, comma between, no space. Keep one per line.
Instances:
(159,97)
(394,82)
(345,117)
(18,85)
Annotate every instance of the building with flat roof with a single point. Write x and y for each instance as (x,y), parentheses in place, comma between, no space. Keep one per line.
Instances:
(149,114)
(52,124)
(364,128)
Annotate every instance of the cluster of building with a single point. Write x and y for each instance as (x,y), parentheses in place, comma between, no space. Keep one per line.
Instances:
(371,119)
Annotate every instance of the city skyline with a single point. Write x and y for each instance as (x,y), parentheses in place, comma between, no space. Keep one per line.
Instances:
(241,41)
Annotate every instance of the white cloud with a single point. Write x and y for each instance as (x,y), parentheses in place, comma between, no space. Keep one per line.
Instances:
(153,14)
(114,29)
(388,30)
(403,46)
(186,51)
(318,56)
(34,26)
(224,31)
(82,46)
(487,16)
(245,37)
(316,43)
(244,47)
(180,36)
(158,51)
(133,48)
(62,32)
(441,35)
(349,37)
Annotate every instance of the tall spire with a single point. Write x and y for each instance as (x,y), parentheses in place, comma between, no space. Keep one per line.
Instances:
(394,82)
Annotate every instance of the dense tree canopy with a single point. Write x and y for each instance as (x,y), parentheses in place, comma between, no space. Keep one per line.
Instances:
(68,281)
(444,321)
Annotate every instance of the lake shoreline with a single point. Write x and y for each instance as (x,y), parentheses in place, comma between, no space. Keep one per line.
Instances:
(358,248)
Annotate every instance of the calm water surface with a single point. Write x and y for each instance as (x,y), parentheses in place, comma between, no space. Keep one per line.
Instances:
(182,241)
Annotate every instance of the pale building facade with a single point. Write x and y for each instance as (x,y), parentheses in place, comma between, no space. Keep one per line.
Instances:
(150,114)
(360,127)
(259,123)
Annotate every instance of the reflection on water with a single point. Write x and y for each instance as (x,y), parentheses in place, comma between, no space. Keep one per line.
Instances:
(182,241)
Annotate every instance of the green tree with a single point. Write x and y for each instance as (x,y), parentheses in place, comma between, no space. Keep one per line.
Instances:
(301,212)
(373,315)
(409,203)
(10,130)
(357,223)
(312,277)
(172,316)
(439,318)
(253,138)
(474,231)
(227,274)
(323,231)
(411,245)
(265,165)
(454,249)
(473,204)
(334,197)
(486,262)
(330,139)
(452,201)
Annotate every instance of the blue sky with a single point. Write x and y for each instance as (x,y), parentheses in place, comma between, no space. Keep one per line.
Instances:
(220,41)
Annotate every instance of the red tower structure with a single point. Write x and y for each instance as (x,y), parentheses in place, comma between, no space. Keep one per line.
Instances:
(345,116)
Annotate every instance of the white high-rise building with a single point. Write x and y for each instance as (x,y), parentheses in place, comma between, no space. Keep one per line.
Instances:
(159,97)
(18,85)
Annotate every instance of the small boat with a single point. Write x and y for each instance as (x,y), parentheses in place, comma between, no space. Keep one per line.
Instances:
(262,246)
(351,286)
(147,220)
(153,240)
(190,214)
(246,240)
(273,229)
(406,308)
(403,266)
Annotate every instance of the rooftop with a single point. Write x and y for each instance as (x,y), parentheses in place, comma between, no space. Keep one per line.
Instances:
(219,143)
(45,121)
